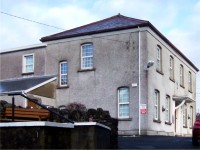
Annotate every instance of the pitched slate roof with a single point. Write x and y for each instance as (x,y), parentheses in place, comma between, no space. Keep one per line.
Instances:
(118,22)
(115,23)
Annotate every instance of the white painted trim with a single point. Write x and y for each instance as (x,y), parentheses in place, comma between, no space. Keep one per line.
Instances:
(87,56)
(62,62)
(24,64)
(118,91)
(91,124)
(37,123)
(41,84)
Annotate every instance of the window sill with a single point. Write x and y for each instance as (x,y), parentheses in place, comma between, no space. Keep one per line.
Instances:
(168,123)
(86,70)
(182,86)
(160,72)
(190,91)
(171,79)
(157,121)
(28,73)
(62,87)
(124,119)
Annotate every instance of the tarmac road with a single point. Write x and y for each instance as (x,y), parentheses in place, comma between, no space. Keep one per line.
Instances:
(155,142)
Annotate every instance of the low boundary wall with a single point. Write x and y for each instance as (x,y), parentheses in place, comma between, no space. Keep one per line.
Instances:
(52,135)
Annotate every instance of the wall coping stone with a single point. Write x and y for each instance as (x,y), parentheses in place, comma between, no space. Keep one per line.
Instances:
(37,123)
(91,124)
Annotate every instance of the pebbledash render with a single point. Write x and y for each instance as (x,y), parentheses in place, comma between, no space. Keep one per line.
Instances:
(121,64)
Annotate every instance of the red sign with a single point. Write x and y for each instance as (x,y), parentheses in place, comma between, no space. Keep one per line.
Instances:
(143,108)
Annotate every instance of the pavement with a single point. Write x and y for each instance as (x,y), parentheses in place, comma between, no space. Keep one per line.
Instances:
(155,142)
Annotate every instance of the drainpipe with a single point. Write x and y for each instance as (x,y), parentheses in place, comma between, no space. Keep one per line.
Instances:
(139,83)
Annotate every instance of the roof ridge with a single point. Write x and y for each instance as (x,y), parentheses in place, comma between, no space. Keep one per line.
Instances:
(132,18)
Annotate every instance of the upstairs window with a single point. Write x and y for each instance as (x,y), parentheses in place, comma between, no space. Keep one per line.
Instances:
(28,63)
(189,81)
(171,67)
(159,59)
(167,109)
(87,56)
(191,116)
(63,73)
(181,75)
(123,102)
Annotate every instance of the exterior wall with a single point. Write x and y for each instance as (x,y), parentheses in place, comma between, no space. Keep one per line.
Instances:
(166,86)
(116,65)
(11,63)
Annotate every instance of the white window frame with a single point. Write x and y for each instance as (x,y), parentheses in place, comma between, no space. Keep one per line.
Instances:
(184,117)
(159,59)
(191,116)
(181,75)
(171,67)
(189,81)
(167,109)
(123,103)
(24,70)
(90,56)
(156,104)
(63,74)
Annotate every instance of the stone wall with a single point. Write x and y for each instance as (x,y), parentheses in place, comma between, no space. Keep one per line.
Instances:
(49,135)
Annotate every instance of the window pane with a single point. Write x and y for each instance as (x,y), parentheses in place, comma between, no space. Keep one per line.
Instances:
(64,68)
(29,68)
(63,79)
(87,62)
(124,95)
(29,59)
(124,110)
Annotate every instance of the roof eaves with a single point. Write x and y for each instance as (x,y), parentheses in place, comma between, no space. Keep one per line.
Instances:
(172,45)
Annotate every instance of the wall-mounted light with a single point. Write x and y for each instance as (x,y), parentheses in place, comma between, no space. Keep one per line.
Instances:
(148,65)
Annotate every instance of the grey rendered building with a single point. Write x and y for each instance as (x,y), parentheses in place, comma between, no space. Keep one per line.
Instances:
(120,64)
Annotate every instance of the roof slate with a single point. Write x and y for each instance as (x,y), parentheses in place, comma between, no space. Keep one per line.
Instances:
(114,23)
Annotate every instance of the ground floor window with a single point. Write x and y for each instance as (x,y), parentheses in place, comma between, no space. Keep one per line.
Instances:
(191,116)
(123,102)
(167,109)
(156,105)
(184,117)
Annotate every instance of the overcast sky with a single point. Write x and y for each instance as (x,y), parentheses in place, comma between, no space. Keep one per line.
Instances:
(178,20)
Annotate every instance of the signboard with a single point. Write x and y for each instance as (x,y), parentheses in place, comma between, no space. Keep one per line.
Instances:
(143,108)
